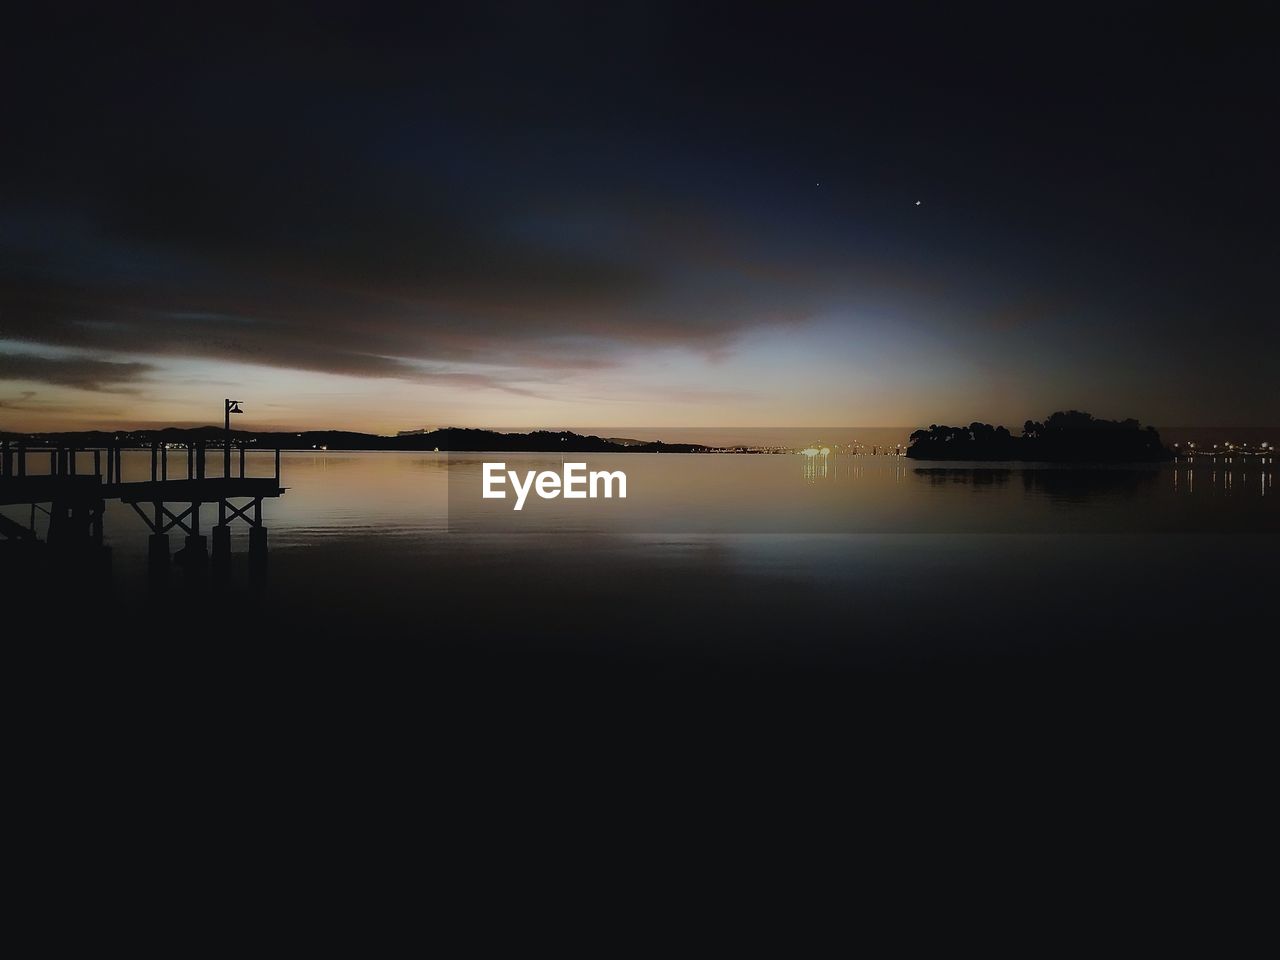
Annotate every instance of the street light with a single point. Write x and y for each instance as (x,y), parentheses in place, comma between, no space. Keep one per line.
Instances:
(228,408)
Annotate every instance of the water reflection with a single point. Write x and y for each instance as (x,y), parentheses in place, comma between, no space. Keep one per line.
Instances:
(976,477)
(1252,478)
(815,463)
(1249,479)
(1072,484)
(849,466)
(419,497)
(1060,485)
(1080,486)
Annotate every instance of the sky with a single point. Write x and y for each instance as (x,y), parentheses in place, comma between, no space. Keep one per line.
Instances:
(526,215)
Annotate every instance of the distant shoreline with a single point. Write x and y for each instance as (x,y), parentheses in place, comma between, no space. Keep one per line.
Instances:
(475,440)
(449,439)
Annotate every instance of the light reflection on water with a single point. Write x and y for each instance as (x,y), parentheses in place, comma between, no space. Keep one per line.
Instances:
(1248,478)
(848,494)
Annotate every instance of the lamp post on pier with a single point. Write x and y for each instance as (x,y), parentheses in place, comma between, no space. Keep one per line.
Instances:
(228,408)
(222,532)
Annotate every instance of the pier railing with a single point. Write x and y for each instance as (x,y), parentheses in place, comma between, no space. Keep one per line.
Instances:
(196,462)
(20,460)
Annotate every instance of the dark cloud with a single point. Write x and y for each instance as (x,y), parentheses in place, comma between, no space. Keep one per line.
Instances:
(83,374)
(371,304)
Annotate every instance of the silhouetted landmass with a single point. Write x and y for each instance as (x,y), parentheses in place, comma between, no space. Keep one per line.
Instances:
(448,439)
(1069,436)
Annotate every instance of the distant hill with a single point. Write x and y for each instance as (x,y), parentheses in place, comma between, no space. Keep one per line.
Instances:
(1065,437)
(626,441)
(448,439)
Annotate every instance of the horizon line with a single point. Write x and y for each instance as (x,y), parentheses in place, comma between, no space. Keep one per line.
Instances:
(197,425)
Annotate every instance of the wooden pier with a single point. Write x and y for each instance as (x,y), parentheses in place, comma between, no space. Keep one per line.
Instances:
(74,496)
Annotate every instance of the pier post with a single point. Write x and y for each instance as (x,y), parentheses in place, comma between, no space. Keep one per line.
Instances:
(95,523)
(82,517)
(257,542)
(221,547)
(158,557)
(196,553)
(222,539)
(258,550)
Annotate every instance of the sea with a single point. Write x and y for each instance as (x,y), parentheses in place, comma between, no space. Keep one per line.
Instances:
(741,635)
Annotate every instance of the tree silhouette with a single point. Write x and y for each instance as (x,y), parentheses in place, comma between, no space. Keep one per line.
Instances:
(1069,435)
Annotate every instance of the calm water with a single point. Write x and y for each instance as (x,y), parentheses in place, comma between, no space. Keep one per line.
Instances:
(426,498)
(755,558)
(865,602)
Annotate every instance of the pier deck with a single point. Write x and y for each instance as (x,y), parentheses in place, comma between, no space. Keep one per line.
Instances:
(78,500)
(202,490)
(42,488)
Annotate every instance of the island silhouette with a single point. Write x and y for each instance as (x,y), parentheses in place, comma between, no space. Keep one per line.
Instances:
(1069,436)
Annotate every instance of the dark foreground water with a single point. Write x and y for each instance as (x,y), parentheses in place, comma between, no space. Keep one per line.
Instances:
(830,568)
(752,659)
